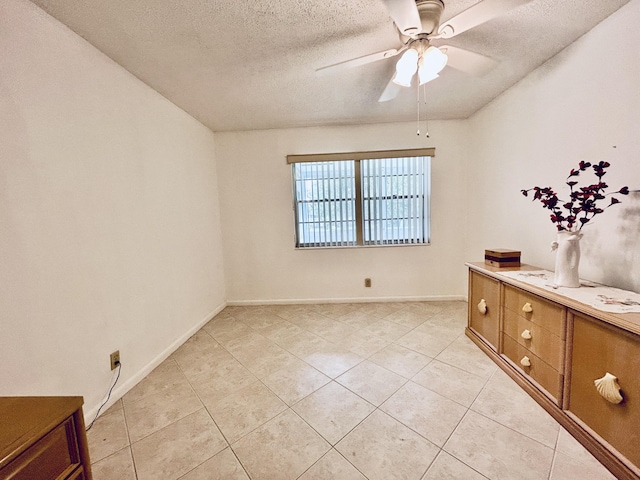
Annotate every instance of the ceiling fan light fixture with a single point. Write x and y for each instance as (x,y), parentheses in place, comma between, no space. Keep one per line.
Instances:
(406,68)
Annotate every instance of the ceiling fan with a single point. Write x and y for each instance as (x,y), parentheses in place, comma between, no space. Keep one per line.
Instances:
(418,22)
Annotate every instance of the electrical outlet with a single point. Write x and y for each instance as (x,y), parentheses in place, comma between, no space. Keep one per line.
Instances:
(114,358)
(367,282)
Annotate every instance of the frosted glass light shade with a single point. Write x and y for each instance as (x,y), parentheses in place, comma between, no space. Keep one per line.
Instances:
(434,59)
(406,68)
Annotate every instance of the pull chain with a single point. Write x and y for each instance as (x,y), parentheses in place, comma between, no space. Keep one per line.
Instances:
(418,102)
(426,114)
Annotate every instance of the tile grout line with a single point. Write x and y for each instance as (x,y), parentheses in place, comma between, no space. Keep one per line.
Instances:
(126,425)
(555,452)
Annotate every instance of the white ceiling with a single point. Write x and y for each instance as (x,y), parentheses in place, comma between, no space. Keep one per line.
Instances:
(250,64)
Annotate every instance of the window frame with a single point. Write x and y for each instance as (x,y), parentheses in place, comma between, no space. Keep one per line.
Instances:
(357,157)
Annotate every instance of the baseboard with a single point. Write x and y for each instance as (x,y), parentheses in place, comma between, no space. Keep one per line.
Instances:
(296,301)
(132,381)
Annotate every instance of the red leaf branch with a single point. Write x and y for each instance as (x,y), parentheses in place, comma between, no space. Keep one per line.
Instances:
(583,204)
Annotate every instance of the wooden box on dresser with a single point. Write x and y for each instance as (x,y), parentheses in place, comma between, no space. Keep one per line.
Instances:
(555,348)
(43,438)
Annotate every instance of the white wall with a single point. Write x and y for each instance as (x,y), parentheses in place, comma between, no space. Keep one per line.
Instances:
(257,219)
(583,104)
(109,218)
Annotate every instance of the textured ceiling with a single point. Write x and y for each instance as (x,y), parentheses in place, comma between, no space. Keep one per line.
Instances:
(250,64)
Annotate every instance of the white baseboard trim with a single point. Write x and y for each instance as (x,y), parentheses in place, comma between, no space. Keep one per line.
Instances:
(296,301)
(132,381)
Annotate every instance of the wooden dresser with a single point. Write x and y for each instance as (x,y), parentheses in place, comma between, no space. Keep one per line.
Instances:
(43,438)
(555,348)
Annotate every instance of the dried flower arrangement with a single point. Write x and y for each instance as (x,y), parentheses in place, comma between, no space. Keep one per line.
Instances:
(581,208)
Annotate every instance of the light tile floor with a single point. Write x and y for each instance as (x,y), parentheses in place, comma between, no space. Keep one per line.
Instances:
(340,391)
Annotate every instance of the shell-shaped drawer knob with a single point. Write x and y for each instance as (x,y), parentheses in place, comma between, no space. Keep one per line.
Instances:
(609,388)
(482,306)
(525,362)
(526,334)
(527,308)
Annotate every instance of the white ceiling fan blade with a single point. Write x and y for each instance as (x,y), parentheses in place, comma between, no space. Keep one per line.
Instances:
(356,62)
(479,13)
(390,91)
(468,61)
(405,15)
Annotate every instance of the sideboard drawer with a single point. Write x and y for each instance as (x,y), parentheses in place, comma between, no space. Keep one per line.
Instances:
(535,309)
(541,372)
(598,349)
(541,342)
(43,438)
(54,456)
(484,307)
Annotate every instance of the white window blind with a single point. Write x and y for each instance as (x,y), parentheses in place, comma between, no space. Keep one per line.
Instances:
(394,200)
(367,198)
(325,204)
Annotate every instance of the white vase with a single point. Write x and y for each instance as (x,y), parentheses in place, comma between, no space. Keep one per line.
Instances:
(567,249)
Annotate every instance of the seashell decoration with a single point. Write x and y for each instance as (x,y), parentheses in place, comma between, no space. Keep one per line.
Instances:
(482,306)
(609,388)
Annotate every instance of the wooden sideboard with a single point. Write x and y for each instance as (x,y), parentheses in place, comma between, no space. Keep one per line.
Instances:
(43,438)
(555,348)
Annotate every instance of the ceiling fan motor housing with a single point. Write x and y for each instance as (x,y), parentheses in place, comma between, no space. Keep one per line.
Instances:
(430,12)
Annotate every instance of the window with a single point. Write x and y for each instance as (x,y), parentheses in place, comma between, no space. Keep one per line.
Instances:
(367,198)
(325,204)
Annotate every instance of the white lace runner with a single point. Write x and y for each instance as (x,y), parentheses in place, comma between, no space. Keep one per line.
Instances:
(600,297)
